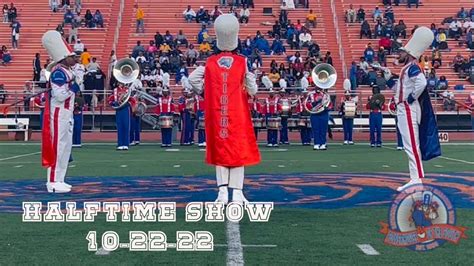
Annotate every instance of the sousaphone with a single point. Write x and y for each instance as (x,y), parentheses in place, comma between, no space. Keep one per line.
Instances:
(324,77)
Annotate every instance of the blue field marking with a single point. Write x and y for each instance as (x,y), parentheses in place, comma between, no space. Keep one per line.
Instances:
(322,190)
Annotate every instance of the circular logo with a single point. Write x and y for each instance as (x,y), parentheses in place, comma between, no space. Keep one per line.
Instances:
(421,218)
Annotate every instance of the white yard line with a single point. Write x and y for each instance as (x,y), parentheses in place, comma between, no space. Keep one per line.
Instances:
(456,160)
(249,245)
(235,255)
(19,156)
(368,249)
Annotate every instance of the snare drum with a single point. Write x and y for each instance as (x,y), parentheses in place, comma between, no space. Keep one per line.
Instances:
(349,109)
(302,122)
(293,122)
(166,121)
(257,122)
(201,124)
(308,122)
(274,123)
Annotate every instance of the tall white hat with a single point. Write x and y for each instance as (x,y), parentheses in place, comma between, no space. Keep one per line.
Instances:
(227,31)
(347,85)
(422,39)
(56,46)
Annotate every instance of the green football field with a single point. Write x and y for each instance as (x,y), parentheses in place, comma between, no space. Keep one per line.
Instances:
(316,221)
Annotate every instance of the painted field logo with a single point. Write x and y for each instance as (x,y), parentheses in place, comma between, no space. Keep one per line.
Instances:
(421,218)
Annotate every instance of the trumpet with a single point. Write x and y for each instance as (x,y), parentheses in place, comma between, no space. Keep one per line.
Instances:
(324,77)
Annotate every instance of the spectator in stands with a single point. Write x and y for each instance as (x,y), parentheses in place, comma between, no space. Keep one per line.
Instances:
(244,14)
(65,4)
(273,64)
(305,38)
(274,77)
(442,40)
(151,50)
(137,49)
(283,18)
(414,29)
(77,21)
(27,92)
(5,55)
(369,53)
(89,19)
(78,47)
(203,34)
(78,5)
(255,55)
(442,84)
(262,44)
(93,66)
(389,15)
(462,14)
(98,19)
(382,56)
(12,12)
(311,19)
(36,67)
(436,58)
(328,58)
(364,65)
(168,37)
(68,16)
(278,47)
(181,39)
(85,57)
(471,15)
(396,45)
(448,101)
(400,30)
(365,30)
(215,13)
(200,14)
(470,39)
(379,29)
(467,25)
(3,94)
(431,81)
(189,14)
(377,13)
(72,33)
(204,49)
(191,56)
(296,56)
(455,29)
(353,75)
(140,18)
(15,26)
(292,37)
(385,42)
(5,13)
(351,15)
(411,2)
(458,61)
(165,48)
(158,39)
(361,14)
(299,26)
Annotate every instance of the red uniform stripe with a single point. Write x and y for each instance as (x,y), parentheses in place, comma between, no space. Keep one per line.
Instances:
(412,139)
(52,176)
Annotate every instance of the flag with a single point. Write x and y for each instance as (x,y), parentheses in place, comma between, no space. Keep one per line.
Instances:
(428,130)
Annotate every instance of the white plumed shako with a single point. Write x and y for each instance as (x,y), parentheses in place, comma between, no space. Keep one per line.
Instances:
(420,41)
(56,46)
(227,32)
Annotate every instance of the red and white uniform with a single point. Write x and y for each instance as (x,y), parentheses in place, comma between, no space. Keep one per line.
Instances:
(271,106)
(118,92)
(58,124)
(299,105)
(40,100)
(165,105)
(199,104)
(255,106)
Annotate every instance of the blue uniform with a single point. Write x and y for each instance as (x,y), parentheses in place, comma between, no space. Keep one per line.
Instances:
(78,121)
(347,122)
(135,128)
(375,124)
(187,123)
(319,125)
(165,107)
(122,117)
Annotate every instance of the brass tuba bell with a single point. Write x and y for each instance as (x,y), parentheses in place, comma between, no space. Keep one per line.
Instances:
(126,71)
(324,76)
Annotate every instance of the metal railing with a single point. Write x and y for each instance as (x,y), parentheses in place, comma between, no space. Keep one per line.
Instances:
(339,40)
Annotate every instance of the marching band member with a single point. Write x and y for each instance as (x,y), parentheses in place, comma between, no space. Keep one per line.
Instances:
(166,107)
(39,102)
(271,110)
(393,107)
(305,132)
(135,128)
(199,111)
(58,110)
(319,121)
(416,120)
(255,110)
(122,116)
(185,107)
(284,118)
(375,118)
(231,143)
(347,122)
(78,120)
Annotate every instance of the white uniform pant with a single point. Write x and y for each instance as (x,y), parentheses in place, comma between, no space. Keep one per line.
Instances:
(409,117)
(61,130)
(232,177)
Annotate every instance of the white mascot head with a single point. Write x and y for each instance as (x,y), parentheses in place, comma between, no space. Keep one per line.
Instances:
(227,32)
(56,46)
(422,39)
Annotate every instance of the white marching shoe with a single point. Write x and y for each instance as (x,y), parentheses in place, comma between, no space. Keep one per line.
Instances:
(346,142)
(316,147)
(238,197)
(223,195)
(57,187)
(323,147)
(66,184)
(416,181)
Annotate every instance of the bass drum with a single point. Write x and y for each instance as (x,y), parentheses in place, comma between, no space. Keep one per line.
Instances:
(165,121)
(293,122)
(274,123)
(349,109)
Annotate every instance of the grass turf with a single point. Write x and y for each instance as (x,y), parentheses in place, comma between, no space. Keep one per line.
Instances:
(302,236)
